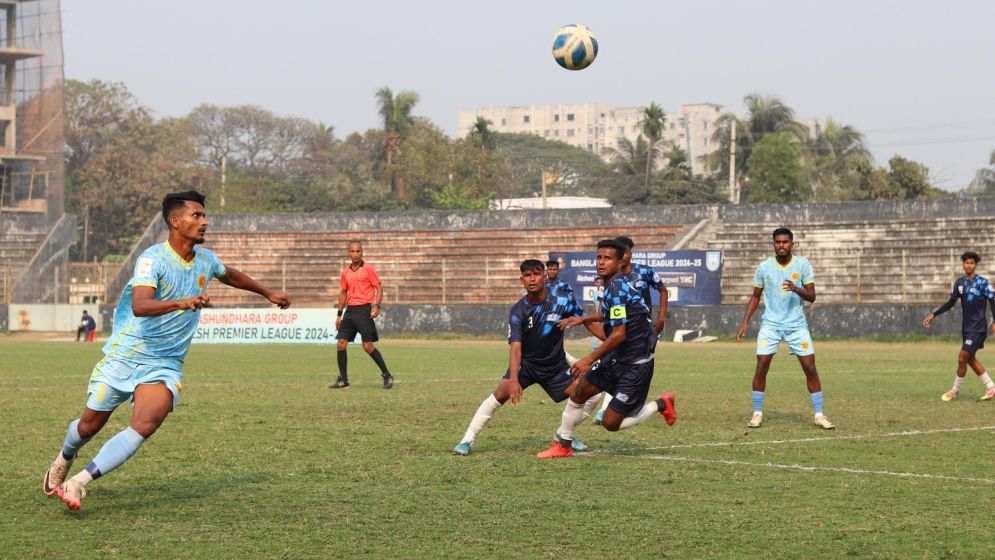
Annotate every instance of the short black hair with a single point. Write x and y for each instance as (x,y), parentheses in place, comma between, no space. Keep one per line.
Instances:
(355,242)
(970,255)
(626,240)
(613,244)
(177,200)
(783,231)
(84,312)
(552,262)
(531,264)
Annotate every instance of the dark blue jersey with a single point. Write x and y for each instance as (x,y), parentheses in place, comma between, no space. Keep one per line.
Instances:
(535,327)
(624,306)
(974,296)
(643,278)
(559,286)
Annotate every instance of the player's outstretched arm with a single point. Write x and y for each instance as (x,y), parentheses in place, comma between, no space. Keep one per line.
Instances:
(238,279)
(750,309)
(144,304)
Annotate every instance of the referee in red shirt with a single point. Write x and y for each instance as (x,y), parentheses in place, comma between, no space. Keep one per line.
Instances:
(359,304)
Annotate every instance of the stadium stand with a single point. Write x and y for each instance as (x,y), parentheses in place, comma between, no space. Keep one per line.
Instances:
(894,261)
(16,250)
(421,266)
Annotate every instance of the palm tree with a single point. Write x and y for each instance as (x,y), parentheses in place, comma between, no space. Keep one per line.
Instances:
(836,152)
(984,179)
(678,166)
(481,133)
(764,115)
(652,123)
(395,110)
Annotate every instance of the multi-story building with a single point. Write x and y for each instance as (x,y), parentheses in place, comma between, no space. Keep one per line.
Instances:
(595,127)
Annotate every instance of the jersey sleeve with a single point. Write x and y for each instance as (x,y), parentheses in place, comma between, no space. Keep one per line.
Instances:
(514,326)
(954,294)
(573,309)
(652,278)
(372,276)
(343,284)
(808,275)
(148,271)
(617,301)
(758,276)
(218,269)
(989,292)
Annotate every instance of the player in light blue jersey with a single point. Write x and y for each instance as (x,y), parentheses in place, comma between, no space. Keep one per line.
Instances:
(153,327)
(785,282)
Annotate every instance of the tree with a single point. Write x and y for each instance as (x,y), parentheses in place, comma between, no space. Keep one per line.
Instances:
(836,153)
(651,124)
(395,110)
(776,170)
(765,115)
(481,134)
(984,179)
(910,179)
(528,159)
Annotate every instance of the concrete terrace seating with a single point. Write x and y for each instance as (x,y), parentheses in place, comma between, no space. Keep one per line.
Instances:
(428,267)
(16,251)
(882,261)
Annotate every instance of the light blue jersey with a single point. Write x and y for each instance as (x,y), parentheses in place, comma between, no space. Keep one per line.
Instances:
(784,309)
(164,340)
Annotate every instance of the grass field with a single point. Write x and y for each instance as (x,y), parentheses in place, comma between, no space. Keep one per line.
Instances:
(262,461)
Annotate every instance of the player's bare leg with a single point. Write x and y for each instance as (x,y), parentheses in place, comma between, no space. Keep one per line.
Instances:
(979,369)
(759,386)
(815,390)
(153,402)
(79,433)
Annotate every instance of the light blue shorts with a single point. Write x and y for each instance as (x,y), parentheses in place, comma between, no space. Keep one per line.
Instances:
(799,341)
(113,382)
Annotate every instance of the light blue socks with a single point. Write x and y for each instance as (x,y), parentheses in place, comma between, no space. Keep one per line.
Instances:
(73,441)
(758,401)
(115,452)
(816,402)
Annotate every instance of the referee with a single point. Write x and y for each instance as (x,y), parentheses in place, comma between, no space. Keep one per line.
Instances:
(359,304)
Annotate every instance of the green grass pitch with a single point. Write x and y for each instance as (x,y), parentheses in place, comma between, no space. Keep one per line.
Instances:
(261,460)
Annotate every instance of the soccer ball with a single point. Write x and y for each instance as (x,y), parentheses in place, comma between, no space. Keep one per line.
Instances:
(575,47)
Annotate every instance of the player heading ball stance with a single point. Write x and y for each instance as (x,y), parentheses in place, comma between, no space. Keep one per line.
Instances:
(626,355)
(974,292)
(153,326)
(785,282)
(535,354)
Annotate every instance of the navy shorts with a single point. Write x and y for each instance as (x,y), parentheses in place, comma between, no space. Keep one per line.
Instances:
(973,341)
(628,384)
(555,383)
(357,320)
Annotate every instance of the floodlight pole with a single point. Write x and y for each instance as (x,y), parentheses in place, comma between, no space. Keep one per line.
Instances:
(733,194)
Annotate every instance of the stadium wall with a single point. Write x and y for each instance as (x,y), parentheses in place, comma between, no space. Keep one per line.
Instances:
(836,321)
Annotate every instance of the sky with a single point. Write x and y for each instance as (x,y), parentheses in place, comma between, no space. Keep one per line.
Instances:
(915,76)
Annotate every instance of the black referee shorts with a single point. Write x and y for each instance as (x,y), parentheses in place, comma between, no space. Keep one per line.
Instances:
(357,320)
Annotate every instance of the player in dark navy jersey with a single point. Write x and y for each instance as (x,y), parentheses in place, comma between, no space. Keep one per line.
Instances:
(552,278)
(644,279)
(626,360)
(976,295)
(535,353)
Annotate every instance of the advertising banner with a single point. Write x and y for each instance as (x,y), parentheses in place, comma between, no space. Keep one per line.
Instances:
(692,277)
(260,326)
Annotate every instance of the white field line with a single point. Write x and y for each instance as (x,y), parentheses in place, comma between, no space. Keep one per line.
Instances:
(908,433)
(843,470)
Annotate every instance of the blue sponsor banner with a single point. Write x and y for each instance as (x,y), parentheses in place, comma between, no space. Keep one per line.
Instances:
(692,277)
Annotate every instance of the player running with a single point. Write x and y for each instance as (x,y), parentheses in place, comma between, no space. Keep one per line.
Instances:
(535,351)
(643,278)
(153,326)
(784,281)
(626,356)
(973,291)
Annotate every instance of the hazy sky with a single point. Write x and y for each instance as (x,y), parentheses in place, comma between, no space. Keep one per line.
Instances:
(916,77)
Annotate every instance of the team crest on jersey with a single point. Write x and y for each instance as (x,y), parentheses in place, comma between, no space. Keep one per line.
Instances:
(795,276)
(712,260)
(552,318)
(202,281)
